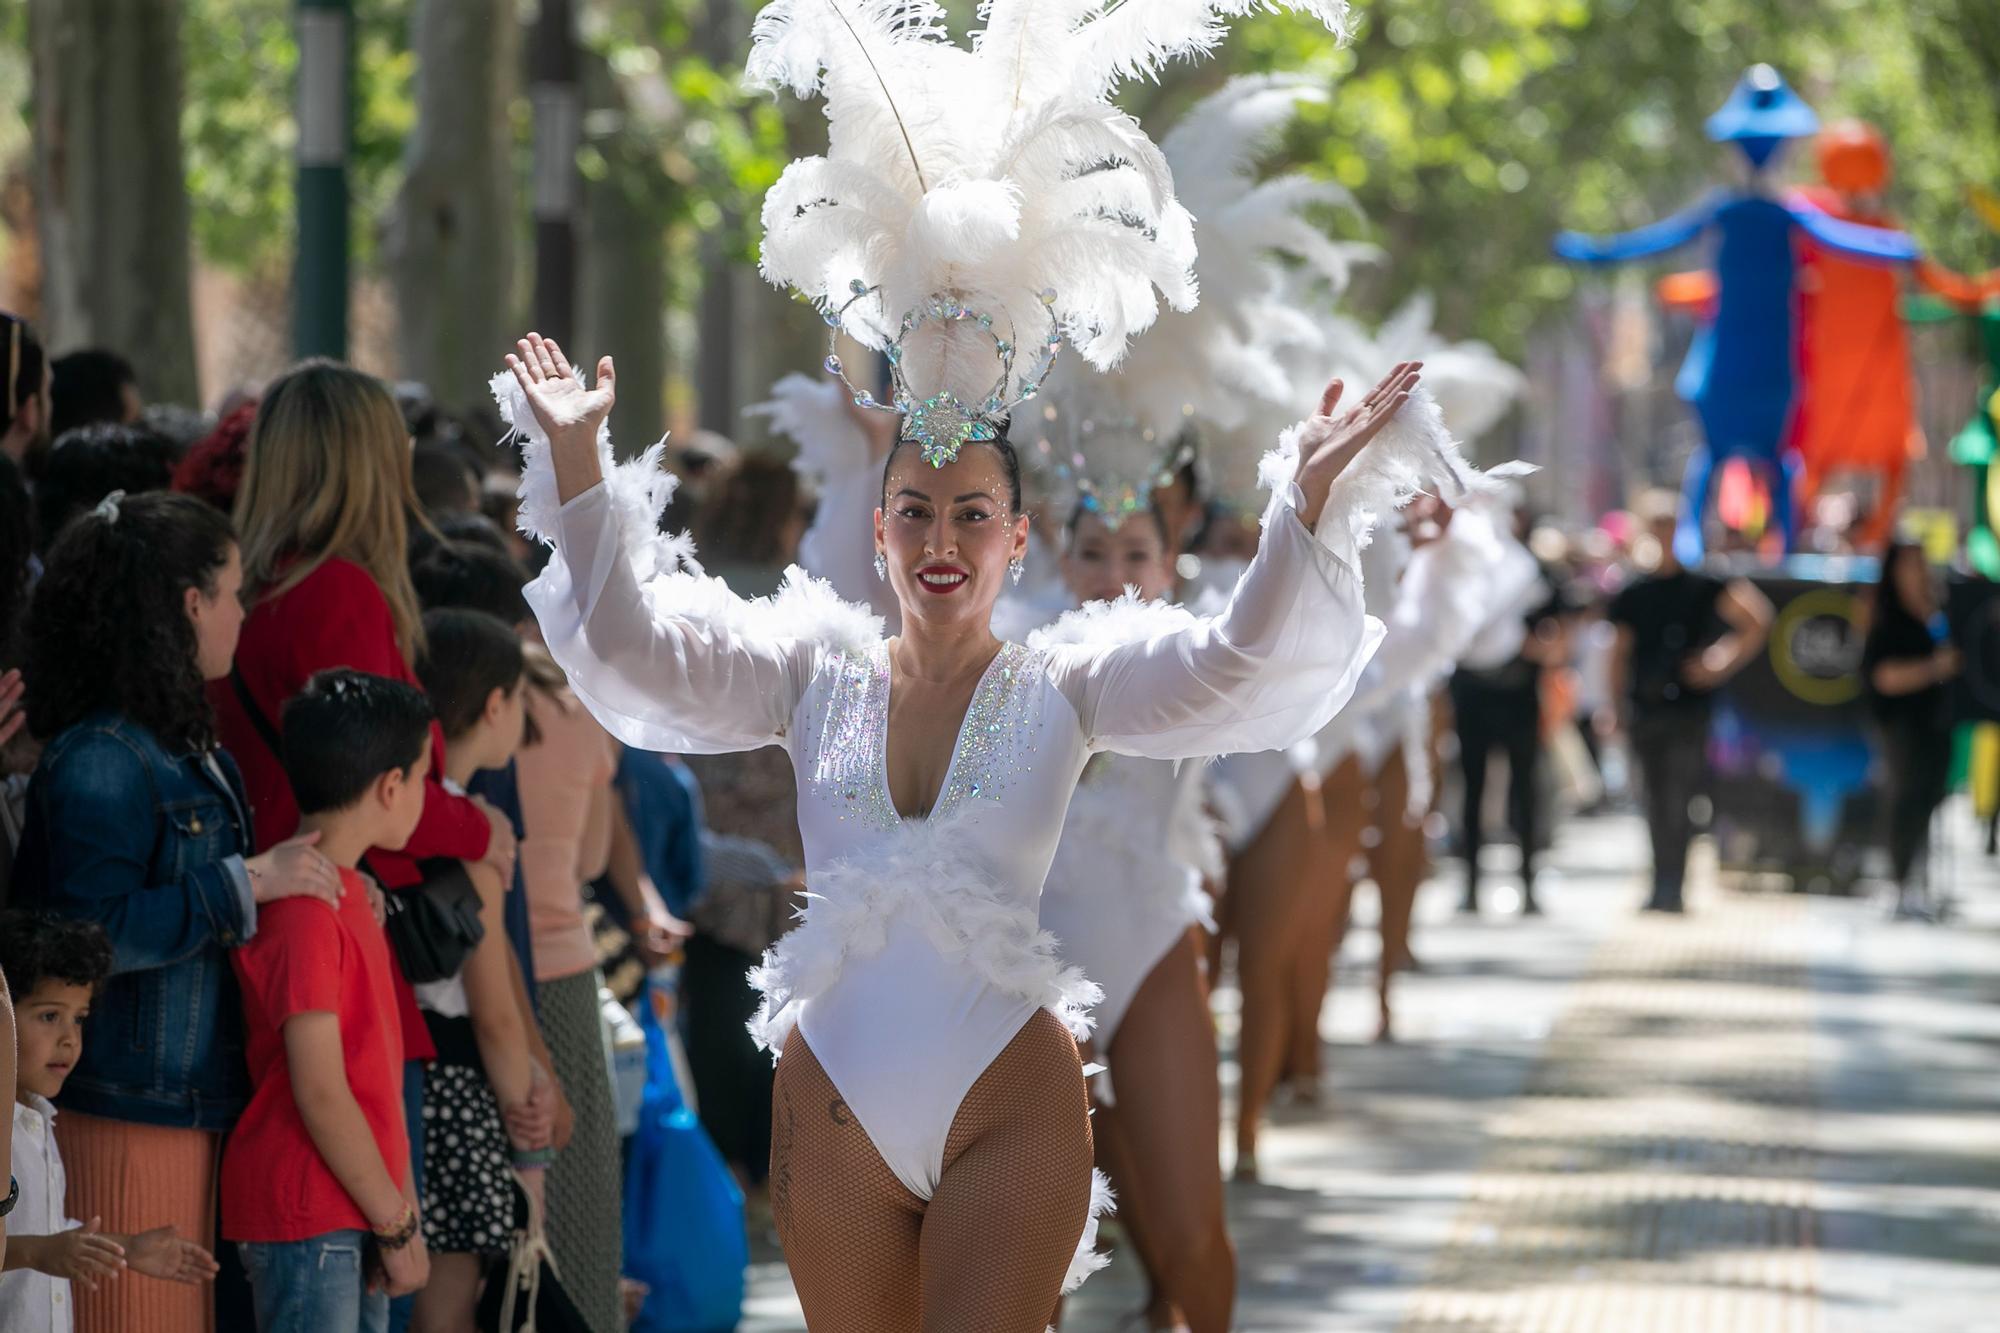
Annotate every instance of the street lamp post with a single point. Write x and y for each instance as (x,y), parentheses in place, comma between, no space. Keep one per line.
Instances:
(552,87)
(325,109)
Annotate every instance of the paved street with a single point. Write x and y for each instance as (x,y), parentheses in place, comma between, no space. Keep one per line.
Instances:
(1778,1113)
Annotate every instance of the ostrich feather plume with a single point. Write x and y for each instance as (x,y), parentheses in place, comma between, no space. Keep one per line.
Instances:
(1114,437)
(996,175)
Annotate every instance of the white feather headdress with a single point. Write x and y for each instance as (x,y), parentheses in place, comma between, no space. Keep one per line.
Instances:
(978,203)
(1109,440)
(1474,387)
(1466,388)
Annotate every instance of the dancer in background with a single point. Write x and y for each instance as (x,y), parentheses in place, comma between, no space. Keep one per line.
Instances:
(1299,824)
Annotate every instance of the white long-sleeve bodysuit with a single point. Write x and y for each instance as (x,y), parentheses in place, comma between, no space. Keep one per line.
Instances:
(1436,604)
(919,957)
(1125,883)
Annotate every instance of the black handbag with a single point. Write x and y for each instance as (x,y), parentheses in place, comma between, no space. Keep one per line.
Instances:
(433,926)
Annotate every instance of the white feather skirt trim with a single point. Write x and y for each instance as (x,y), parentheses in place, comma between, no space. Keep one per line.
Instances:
(1089,1259)
(917,874)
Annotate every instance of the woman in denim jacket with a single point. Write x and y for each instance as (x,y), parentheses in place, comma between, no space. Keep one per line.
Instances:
(136,820)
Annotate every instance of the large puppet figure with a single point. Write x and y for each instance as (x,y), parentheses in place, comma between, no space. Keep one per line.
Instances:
(1977,445)
(1739,374)
(1857,402)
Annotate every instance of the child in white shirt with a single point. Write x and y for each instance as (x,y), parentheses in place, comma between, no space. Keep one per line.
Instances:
(53,967)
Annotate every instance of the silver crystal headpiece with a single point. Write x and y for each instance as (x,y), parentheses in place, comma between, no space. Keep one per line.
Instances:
(940,424)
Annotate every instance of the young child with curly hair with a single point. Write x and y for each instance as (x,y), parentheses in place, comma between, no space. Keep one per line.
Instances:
(53,967)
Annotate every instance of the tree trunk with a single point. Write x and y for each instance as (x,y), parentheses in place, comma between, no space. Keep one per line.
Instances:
(109,188)
(449,242)
(552,90)
(622,267)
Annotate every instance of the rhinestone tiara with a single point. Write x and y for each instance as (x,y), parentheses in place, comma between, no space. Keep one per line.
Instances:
(940,424)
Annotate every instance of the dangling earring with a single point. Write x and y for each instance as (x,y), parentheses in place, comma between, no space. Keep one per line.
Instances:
(1017,568)
(881,567)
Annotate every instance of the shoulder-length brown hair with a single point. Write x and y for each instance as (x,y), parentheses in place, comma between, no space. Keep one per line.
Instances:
(327,476)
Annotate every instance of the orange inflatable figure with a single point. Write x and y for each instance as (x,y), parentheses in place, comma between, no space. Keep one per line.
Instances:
(1856,406)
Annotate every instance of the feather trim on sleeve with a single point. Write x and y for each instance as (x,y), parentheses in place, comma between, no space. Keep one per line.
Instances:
(665,566)
(1414,452)
(1101,625)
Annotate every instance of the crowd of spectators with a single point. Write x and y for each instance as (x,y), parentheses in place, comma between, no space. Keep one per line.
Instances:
(355,894)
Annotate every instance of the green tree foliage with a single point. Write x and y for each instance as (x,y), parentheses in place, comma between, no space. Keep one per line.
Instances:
(238,125)
(686,136)
(1472,130)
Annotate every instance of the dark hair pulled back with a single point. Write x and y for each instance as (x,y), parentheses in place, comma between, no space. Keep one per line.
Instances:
(1010,463)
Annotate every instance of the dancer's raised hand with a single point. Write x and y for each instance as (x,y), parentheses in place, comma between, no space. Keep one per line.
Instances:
(1332,437)
(569,411)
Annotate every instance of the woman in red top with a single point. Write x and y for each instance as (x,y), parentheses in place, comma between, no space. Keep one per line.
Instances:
(322,518)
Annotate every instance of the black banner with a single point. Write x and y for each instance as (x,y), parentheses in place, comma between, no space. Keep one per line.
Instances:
(1972,605)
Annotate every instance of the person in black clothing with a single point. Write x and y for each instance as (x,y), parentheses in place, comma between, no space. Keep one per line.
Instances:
(1500,708)
(1681,635)
(1905,665)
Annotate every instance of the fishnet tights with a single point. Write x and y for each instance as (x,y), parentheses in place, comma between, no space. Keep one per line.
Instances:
(1158,1142)
(1279,887)
(989,1251)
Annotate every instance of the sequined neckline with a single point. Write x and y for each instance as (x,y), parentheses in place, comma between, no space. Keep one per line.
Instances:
(976,733)
(849,740)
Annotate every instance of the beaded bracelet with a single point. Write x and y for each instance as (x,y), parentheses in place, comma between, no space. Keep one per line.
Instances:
(533,1159)
(400,1232)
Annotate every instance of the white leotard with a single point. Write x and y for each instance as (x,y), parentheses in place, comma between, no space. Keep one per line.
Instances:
(919,956)
(1126,882)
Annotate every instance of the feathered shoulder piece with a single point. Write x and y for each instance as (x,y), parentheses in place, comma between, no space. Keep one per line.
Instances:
(978,206)
(1109,440)
(814,415)
(665,566)
(1100,625)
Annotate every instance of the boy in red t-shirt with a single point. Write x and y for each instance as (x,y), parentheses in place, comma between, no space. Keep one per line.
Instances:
(316,1177)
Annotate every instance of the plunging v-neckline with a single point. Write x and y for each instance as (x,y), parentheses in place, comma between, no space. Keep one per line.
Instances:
(957,743)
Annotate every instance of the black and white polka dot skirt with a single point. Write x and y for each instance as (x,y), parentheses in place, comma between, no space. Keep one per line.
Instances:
(469,1190)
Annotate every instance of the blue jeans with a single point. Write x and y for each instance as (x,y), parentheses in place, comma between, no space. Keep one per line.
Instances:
(314,1286)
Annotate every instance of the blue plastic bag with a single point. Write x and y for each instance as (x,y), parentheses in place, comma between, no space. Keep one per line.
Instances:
(684,1234)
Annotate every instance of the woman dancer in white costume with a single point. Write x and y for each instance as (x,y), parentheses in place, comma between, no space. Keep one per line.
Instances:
(1300,819)
(1122,893)
(1125,887)
(931,1167)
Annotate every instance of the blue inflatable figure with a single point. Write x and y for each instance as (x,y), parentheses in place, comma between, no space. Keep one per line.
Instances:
(1740,374)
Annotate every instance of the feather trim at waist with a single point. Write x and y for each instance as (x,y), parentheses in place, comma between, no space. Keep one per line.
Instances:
(851,905)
